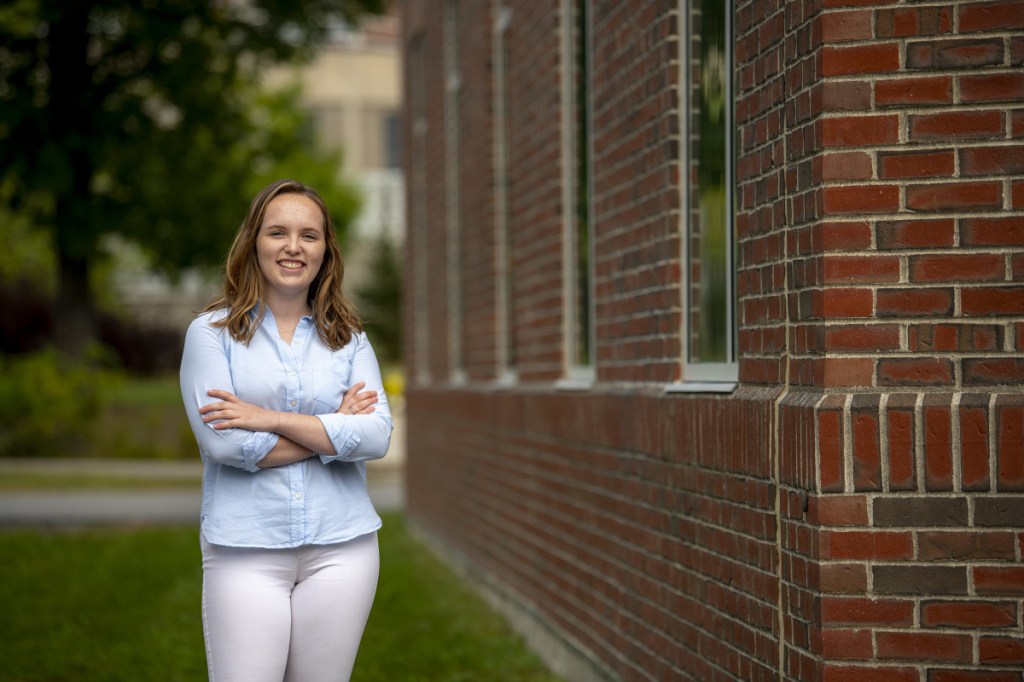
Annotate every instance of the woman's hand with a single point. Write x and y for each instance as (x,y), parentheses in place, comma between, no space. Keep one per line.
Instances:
(235,413)
(355,402)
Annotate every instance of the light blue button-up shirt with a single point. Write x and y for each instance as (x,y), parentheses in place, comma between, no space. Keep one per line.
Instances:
(317,501)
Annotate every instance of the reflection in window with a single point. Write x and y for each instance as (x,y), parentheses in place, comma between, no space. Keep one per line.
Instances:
(505,318)
(577,153)
(709,190)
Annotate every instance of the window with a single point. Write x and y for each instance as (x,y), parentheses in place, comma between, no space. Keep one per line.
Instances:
(708,192)
(453,88)
(577,214)
(418,211)
(505,328)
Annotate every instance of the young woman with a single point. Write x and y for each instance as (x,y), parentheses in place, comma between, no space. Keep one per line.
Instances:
(272,378)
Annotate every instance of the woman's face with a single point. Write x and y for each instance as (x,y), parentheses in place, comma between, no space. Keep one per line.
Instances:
(290,245)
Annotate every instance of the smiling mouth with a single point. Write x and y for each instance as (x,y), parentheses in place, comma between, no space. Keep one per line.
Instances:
(291,264)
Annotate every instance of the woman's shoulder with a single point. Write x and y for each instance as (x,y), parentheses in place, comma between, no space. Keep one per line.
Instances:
(207,320)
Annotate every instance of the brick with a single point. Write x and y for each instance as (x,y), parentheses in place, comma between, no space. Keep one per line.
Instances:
(980,301)
(857,199)
(955,125)
(923,646)
(862,59)
(861,269)
(1017,194)
(1010,446)
(860,131)
(839,673)
(837,510)
(917,579)
(865,611)
(920,511)
(847,372)
(993,580)
(915,234)
(955,53)
(929,164)
(862,337)
(974,451)
(914,372)
(867,465)
(930,337)
(967,545)
(845,236)
(968,614)
(1001,160)
(991,16)
(938,443)
(1001,650)
(922,91)
(843,578)
(996,87)
(837,27)
(957,267)
(993,371)
(848,166)
(902,465)
(848,644)
(955,196)
(951,675)
(846,96)
(846,302)
(1007,231)
(1005,510)
(914,302)
(830,448)
(865,545)
(902,23)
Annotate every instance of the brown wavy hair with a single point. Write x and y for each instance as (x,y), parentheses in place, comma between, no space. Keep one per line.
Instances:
(335,316)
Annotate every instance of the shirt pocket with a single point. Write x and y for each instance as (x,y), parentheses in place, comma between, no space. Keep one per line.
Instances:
(330,381)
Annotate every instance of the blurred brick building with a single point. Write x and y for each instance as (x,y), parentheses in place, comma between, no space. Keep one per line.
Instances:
(715,320)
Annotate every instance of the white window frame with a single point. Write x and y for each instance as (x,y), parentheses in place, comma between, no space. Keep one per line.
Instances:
(505,369)
(453,227)
(706,377)
(576,376)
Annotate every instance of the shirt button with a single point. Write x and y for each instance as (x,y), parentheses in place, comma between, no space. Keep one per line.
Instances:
(298,496)
(292,403)
(291,372)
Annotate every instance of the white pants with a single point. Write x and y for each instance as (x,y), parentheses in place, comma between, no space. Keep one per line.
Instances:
(287,614)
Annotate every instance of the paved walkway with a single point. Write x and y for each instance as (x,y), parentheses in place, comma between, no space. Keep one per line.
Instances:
(174,505)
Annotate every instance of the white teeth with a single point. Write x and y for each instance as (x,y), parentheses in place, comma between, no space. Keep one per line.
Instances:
(290,265)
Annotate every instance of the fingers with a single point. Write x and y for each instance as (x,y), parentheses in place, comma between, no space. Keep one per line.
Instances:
(355,388)
(223,395)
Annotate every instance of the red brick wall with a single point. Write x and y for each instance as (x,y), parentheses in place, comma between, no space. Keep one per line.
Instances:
(855,510)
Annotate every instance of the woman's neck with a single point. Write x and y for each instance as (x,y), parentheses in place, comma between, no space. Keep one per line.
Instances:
(287,313)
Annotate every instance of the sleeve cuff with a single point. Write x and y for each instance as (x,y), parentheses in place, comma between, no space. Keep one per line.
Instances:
(256,448)
(341,434)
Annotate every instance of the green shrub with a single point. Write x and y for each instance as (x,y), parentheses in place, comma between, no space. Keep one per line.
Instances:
(48,404)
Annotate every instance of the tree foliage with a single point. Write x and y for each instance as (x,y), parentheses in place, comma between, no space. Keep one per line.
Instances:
(141,118)
(380,300)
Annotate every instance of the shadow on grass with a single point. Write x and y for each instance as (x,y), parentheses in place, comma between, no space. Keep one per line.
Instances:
(124,605)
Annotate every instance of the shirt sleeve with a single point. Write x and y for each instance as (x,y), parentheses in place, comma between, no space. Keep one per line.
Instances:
(205,366)
(358,437)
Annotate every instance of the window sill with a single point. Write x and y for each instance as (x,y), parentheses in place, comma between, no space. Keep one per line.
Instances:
(701,387)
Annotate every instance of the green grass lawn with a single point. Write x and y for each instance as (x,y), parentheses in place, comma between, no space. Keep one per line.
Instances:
(124,605)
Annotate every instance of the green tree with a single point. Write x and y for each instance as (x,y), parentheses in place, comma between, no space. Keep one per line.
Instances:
(139,117)
(380,301)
